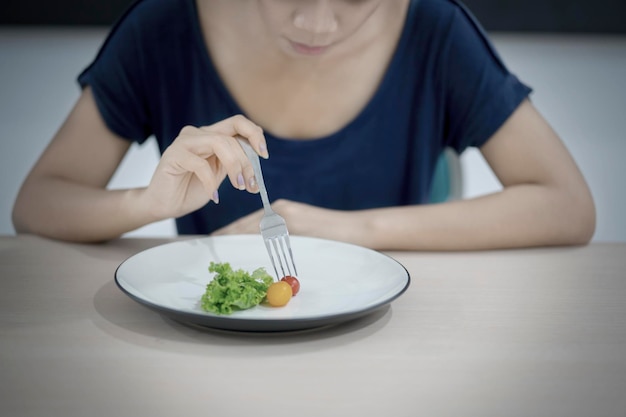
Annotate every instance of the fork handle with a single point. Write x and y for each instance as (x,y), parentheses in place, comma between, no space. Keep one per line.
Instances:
(256,166)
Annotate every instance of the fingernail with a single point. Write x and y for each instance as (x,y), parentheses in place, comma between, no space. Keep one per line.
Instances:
(263,150)
(241,182)
(216,197)
(252,182)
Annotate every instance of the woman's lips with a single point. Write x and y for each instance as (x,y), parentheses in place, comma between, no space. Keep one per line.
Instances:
(307,49)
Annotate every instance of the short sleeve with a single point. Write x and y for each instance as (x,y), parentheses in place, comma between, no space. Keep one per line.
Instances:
(118,81)
(480,92)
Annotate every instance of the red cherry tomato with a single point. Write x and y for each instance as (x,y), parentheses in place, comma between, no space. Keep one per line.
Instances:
(293,282)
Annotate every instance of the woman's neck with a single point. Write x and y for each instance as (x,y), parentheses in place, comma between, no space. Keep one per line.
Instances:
(290,97)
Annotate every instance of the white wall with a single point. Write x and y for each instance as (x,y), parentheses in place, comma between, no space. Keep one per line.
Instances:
(38,70)
(579,86)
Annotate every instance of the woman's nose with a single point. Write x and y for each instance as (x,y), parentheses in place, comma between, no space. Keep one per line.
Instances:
(316,16)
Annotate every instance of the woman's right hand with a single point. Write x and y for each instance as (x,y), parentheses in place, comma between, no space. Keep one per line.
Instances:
(198,160)
(65,195)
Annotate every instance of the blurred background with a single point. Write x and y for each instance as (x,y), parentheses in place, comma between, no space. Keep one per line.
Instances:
(571,52)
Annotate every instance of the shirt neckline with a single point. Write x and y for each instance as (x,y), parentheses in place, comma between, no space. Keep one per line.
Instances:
(365,113)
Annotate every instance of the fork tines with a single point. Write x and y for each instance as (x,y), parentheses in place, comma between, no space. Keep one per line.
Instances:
(278,247)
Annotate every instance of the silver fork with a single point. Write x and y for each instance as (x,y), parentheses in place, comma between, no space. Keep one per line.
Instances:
(273,227)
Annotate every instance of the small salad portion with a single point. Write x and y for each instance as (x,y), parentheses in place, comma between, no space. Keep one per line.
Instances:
(232,290)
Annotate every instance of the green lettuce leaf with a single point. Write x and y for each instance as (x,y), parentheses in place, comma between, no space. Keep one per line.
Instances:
(234,290)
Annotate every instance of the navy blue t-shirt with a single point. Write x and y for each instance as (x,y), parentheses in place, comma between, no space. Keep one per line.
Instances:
(445,87)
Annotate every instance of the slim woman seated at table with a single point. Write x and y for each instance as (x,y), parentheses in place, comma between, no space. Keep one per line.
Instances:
(352,101)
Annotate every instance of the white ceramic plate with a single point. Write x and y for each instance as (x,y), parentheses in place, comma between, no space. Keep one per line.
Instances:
(339,281)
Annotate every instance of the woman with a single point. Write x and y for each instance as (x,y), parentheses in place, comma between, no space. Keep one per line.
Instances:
(353,99)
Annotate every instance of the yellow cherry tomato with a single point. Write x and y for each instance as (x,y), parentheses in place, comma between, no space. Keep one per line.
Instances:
(279,294)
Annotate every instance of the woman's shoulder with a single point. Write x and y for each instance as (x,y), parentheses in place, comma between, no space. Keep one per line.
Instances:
(435,23)
(438,7)
(438,14)
(151,27)
(155,16)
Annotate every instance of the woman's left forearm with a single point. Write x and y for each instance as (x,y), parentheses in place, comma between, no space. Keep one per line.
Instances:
(519,216)
(523,215)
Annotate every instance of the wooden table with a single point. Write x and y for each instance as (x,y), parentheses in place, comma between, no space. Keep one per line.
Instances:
(539,332)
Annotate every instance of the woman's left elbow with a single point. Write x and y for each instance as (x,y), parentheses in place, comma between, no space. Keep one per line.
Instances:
(582,225)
